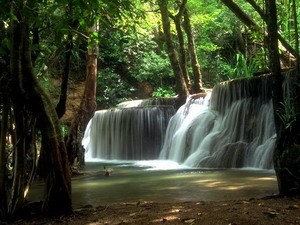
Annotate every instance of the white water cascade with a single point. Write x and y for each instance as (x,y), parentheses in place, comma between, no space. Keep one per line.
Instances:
(235,130)
(133,131)
(231,128)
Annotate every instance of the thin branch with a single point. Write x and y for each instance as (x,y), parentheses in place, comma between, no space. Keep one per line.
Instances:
(181,9)
(262,14)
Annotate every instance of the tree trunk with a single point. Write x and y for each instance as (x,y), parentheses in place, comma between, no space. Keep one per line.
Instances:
(58,193)
(297,87)
(86,109)
(286,154)
(61,105)
(4,123)
(3,170)
(28,96)
(296,36)
(16,200)
(197,77)
(182,51)
(181,86)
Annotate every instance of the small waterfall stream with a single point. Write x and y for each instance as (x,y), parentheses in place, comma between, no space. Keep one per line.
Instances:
(235,130)
(133,131)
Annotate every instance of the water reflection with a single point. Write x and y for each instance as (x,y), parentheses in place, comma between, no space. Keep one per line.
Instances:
(144,181)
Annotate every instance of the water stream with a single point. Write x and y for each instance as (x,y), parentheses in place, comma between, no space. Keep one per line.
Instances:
(163,181)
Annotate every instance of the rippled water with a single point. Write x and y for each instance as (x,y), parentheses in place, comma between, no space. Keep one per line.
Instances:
(163,181)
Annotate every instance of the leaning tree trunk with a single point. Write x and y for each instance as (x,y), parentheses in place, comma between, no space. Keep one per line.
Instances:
(286,155)
(182,50)
(28,96)
(86,109)
(197,76)
(181,86)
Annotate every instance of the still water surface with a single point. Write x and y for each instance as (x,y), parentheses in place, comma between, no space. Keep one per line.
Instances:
(163,181)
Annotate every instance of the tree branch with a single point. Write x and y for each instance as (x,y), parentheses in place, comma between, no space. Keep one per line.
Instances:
(243,17)
(284,43)
(181,8)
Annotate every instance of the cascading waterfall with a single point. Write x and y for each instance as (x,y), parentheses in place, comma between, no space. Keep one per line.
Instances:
(235,130)
(232,127)
(133,131)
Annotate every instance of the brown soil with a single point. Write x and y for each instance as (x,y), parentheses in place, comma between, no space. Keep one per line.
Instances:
(277,211)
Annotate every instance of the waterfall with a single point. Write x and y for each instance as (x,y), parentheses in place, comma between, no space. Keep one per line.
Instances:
(232,127)
(133,131)
(235,130)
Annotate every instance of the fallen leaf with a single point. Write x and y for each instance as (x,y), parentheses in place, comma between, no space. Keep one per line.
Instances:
(188,220)
(271,214)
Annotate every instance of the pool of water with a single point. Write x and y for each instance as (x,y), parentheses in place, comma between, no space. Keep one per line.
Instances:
(163,181)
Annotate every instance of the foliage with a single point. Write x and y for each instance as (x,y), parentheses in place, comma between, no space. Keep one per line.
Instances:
(134,58)
(109,93)
(243,68)
(289,116)
(224,69)
(152,67)
(218,39)
(286,22)
(163,92)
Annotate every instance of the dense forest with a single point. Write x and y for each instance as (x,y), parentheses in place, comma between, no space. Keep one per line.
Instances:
(122,50)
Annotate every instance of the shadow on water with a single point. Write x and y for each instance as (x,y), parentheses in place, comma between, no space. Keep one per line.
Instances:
(133,182)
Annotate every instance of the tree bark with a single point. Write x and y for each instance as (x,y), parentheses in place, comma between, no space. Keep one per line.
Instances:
(182,50)
(16,200)
(4,123)
(28,96)
(296,36)
(197,76)
(58,194)
(181,86)
(61,105)
(297,87)
(286,154)
(3,170)
(86,109)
